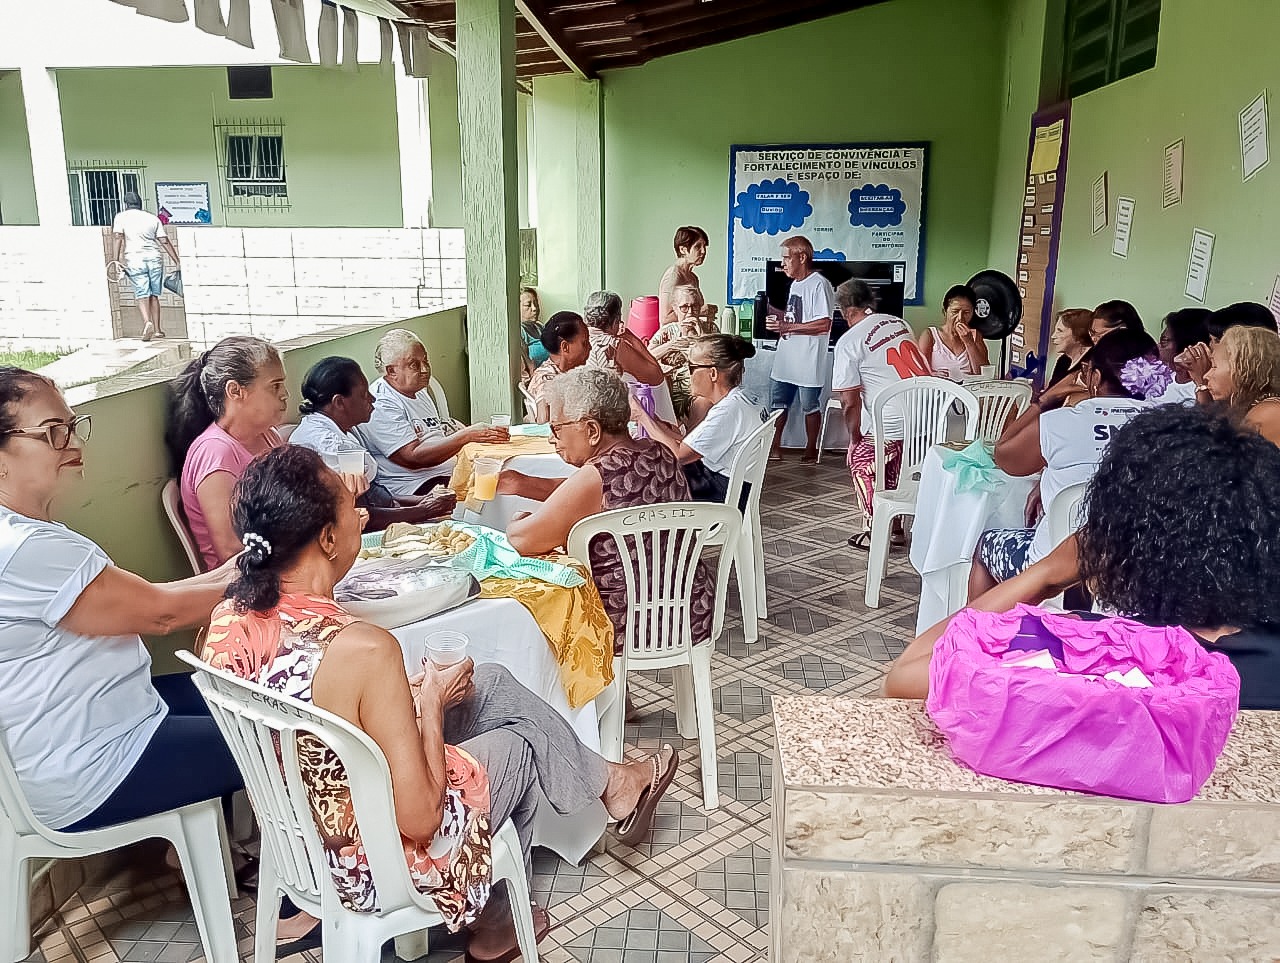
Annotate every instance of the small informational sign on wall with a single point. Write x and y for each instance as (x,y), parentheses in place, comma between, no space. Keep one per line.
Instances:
(855,202)
(183,203)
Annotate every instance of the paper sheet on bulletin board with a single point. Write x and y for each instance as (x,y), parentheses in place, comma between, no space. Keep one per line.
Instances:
(183,203)
(854,202)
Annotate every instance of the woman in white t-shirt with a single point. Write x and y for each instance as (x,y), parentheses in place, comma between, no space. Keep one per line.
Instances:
(94,740)
(716,363)
(335,399)
(1065,444)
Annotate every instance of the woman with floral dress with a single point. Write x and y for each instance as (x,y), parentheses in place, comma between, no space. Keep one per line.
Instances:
(468,747)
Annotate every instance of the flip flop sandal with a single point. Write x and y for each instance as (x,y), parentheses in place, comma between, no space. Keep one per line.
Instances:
(775,456)
(540,931)
(636,826)
(898,540)
(861,541)
(312,939)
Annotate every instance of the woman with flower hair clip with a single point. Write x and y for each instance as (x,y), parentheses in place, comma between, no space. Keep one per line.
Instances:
(1118,376)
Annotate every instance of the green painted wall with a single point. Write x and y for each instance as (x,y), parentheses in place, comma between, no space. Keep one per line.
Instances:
(341,148)
(1213,59)
(906,70)
(118,502)
(17,188)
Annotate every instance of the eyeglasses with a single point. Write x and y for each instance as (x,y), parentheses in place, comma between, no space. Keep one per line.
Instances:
(557,425)
(58,435)
(694,367)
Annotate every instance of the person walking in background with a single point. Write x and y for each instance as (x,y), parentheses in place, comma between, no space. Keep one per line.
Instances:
(804,329)
(140,247)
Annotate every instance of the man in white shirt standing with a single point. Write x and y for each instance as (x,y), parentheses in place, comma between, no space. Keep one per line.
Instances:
(140,248)
(804,329)
(414,447)
(877,351)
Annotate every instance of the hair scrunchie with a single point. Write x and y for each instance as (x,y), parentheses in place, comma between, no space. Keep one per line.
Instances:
(256,548)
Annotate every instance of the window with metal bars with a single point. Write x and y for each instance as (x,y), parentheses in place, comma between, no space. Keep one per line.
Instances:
(1108,40)
(97,193)
(252,160)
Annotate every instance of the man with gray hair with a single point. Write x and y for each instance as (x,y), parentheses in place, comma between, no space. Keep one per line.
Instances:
(414,447)
(615,348)
(140,246)
(804,330)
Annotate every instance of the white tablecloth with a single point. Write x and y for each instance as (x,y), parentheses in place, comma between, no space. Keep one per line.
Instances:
(497,513)
(502,631)
(946,529)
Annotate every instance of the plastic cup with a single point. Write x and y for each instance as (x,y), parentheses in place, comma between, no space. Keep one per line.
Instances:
(445,648)
(351,463)
(989,371)
(485,486)
(500,421)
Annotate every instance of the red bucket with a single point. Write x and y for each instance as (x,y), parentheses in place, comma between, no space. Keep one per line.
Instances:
(643,319)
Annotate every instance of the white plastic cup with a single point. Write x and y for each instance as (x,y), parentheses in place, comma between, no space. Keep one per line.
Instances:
(500,421)
(444,649)
(350,463)
(989,371)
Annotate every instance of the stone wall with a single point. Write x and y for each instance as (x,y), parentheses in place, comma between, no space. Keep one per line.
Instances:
(907,856)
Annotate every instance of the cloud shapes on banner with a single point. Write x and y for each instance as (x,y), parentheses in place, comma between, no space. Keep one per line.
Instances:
(773,206)
(876,205)
(826,254)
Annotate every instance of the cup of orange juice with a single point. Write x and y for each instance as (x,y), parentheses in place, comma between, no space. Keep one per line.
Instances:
(485,485)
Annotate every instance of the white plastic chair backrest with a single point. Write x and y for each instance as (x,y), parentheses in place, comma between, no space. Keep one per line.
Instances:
(171,499)
(255,721)
(659,569)
(441,400)
(749,465)
(996,401)
(1062,515)
(530,404)
(284,431)
(15,812)
(925,402)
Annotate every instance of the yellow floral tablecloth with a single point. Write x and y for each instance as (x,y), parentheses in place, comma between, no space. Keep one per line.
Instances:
(575,625)
(461,479)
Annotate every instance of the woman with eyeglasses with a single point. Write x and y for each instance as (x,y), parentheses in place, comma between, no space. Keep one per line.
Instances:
(706,453)
(670,345)
(589,410)
(94,739)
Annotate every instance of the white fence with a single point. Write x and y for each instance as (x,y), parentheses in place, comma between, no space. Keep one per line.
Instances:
(53,286)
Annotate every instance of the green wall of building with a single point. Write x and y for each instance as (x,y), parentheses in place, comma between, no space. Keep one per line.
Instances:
(118,502)
(341,148)
(1213,59)
(17,188)
(900,71)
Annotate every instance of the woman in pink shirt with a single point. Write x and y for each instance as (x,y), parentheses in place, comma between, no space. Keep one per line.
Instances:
(223,412)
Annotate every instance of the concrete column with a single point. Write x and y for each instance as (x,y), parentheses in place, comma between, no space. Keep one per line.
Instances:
(589,155)
(414,135)
(48,150)
(490,201)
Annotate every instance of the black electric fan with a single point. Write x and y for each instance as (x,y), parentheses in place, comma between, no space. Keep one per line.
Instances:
(998,308)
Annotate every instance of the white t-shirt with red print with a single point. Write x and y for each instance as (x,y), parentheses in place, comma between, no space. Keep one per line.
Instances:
(873,354)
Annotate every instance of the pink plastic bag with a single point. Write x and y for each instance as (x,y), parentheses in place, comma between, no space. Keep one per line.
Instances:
(1079,731)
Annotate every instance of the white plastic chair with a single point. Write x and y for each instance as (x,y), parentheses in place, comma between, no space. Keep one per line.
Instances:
(833,404)
(285,430)
(196,831)
(255,721)
(1062,518)
(924,403)
(171,500)
(659,573)
(748,469)
(530,405)
(997,400)
(441,399)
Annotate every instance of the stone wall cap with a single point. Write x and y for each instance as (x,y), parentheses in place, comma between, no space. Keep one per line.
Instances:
(892,744)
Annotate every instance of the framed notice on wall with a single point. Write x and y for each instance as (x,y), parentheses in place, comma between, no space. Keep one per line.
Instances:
(855,202)
(183,203)
(1037,258)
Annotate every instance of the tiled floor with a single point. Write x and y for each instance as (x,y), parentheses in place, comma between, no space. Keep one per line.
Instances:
(698,889)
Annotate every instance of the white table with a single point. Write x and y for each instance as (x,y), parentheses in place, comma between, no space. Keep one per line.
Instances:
(946,529)
(498,513)
(503,632)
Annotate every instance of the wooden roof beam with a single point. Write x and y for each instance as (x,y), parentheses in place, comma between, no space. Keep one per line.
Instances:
(554,38)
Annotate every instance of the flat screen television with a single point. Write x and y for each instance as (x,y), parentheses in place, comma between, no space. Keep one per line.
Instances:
(878,274)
